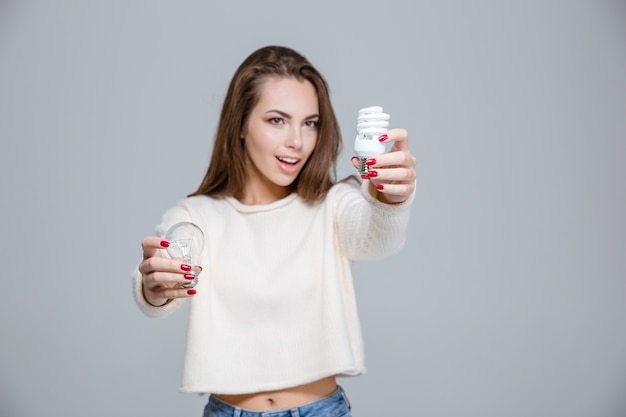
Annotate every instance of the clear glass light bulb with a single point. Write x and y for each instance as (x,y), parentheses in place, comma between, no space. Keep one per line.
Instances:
(186,244)
(371,123)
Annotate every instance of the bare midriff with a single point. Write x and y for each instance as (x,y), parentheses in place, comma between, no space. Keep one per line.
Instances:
(284,398)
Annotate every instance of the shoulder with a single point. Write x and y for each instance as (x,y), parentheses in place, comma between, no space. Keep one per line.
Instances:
(190,207)
(199,201)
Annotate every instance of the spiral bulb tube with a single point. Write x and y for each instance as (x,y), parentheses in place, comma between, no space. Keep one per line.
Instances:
(371,123)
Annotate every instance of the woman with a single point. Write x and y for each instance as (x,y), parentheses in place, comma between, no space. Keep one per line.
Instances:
(273,319)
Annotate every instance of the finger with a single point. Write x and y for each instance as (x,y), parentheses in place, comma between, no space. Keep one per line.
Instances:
(167,279)
(180,292)
(171,293)
(152,244)
(396,175)
(395,192)
(393,160)
(161,264)
(164,272)
(399,137)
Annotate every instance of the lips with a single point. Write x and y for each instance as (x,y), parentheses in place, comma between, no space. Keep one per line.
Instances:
(287,160)
(289,165)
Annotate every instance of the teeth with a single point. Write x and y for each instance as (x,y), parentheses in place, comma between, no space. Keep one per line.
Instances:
(288,160)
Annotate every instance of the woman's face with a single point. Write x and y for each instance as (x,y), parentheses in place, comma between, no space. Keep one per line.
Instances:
(279,135)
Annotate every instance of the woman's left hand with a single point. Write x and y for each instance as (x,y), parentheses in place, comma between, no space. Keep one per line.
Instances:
(392,174)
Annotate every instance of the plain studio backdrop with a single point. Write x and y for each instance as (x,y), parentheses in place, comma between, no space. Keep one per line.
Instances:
(510,295)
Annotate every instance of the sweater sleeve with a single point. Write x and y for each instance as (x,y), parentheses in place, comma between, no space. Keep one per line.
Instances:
(368,228)
(172,216)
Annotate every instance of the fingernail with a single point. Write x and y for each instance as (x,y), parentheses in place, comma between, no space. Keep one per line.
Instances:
(165,243)
(189,276)
(365,177)
(372,173)
(380,186)
(185,267)
(370,161)
(191,292)
(382,137)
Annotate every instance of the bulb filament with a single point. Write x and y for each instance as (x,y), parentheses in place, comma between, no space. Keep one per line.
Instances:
(185,246)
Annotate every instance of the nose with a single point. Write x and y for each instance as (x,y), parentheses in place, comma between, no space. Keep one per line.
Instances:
(294,138)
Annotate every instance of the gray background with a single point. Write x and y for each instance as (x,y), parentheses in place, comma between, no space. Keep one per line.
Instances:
(510,297)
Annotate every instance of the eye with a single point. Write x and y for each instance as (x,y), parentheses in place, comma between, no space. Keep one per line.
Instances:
(312,123)
(276,120)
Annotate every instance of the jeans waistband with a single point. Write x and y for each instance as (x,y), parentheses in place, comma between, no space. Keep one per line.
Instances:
(336,404)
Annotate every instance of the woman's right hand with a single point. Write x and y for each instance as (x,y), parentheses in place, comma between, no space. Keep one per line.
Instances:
(162,277)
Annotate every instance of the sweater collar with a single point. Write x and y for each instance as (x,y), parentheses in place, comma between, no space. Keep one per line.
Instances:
(256,208)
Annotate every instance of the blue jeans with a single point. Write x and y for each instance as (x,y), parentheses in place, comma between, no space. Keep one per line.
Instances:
(335,405)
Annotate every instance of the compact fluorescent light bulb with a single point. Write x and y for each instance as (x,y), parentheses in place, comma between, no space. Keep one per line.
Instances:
(186,244)
(371,123)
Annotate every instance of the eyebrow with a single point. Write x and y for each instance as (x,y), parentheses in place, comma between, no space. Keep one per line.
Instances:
(288,116)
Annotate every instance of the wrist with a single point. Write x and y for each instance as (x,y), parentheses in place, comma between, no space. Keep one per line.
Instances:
(154,301)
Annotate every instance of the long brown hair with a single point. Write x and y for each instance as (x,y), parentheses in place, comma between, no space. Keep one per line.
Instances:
(227,170)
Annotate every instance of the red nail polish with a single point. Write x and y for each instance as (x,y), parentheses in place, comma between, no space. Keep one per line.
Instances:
(382,137)
(370,161)
(365,177)
(372,173)
(165,243)
(191,292)
(189,276)
(185,267)
(380,186)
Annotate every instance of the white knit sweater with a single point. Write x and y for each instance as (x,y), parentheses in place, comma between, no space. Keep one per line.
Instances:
(275,304)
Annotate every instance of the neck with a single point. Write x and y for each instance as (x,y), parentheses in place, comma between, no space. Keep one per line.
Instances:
(258,191)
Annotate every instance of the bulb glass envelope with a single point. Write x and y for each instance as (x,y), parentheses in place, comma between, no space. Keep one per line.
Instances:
(186,244)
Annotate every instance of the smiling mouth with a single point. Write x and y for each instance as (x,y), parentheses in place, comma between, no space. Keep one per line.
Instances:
(290,161)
